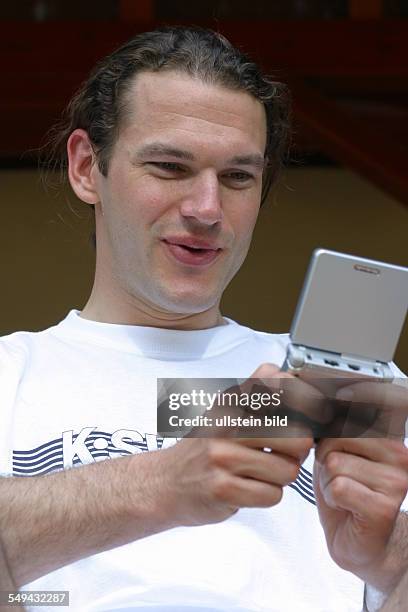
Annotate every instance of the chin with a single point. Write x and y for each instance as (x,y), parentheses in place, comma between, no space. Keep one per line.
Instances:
(188,304)
(189,308)
(186,294)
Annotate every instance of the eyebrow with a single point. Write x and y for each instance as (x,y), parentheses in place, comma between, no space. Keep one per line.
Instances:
(251,159)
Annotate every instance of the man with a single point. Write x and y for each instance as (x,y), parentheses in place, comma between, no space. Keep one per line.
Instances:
(6,581)
(399,597)
(173,140)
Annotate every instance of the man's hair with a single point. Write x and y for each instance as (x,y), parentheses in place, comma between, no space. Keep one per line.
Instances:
(100,105)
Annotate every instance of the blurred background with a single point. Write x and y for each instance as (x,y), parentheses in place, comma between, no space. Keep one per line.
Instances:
(345,187)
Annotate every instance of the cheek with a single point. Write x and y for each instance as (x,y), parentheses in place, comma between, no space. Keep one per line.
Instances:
(134,204)
(243,219)
(147,200)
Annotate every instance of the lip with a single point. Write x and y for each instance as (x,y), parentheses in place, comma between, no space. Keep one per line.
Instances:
(193,242)
(178,252)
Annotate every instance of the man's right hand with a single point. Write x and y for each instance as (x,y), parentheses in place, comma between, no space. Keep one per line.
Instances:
(206,480)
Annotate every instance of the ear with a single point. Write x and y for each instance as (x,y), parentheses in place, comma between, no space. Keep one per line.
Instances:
(82,167)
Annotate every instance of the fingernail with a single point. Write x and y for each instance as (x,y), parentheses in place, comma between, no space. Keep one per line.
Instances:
(345,395)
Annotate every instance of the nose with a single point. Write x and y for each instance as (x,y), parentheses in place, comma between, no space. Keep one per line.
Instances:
(203,204)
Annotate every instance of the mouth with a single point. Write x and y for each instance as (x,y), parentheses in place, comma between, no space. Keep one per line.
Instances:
(192,254)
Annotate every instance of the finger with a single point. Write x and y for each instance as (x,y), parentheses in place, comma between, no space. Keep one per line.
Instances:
(342,427)
(388,402)
(393,394)
(345,493)
(272,467)
(378,477)
(249,493)
(266,370)
(298,448)
(295,394)
(382,450)
(308,400)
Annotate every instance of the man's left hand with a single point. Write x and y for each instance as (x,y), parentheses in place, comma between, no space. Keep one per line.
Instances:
(360,484)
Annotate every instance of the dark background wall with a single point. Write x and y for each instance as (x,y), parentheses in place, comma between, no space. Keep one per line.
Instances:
(47,263)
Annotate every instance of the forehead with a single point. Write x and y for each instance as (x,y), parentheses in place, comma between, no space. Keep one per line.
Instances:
(186,111)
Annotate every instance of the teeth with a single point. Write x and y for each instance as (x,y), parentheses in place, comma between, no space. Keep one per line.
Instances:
(192,248)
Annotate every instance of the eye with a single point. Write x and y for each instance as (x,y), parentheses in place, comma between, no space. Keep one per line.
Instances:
(241,178)
(167,166)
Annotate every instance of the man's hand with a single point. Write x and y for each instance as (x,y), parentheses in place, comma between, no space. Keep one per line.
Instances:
(360,484)
(207,480)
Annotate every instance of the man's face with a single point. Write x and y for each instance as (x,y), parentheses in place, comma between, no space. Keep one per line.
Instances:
(181,198)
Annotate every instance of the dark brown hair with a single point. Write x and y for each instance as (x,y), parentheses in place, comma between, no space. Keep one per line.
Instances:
(99,106)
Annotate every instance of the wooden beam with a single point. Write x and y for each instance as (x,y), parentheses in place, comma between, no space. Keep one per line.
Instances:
(366,9)
(306,48)
(352,141)
(384,87)
(38,83)
(136,10)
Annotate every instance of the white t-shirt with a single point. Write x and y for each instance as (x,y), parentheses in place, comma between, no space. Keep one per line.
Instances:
(84,391)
